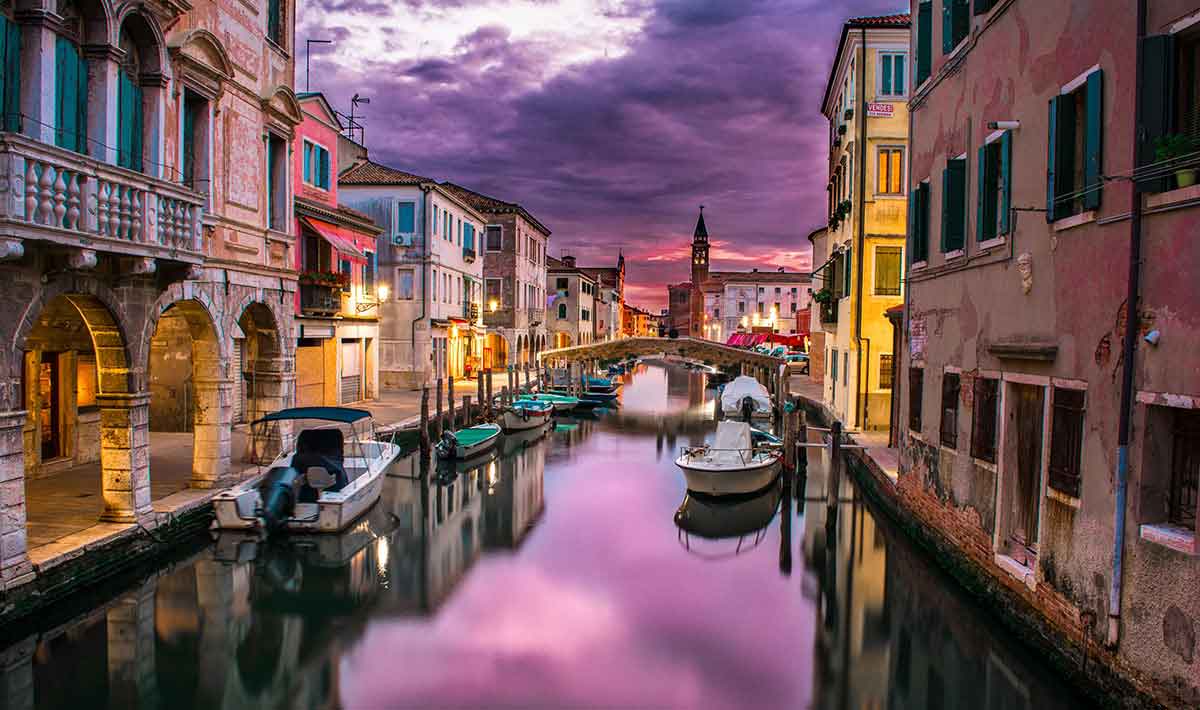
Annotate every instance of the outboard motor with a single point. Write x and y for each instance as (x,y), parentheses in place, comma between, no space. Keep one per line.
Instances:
(448,443)
(278,491)
(747,408)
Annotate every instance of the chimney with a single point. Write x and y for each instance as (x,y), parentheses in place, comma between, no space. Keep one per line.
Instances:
(781,269)
(755,270)
(568,261)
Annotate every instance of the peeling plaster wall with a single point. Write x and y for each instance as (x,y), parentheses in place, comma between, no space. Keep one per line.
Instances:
(1060,286)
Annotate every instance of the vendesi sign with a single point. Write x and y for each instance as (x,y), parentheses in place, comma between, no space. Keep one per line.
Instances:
(880,110)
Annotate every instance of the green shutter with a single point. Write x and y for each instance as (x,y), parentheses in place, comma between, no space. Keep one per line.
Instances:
(64,94)
(308,163)
(1093,145)
(10,88)
(1005,181)
(961,13)
(885,75)
(81,104)
(913,237)
(924,40)
(1155,88)
(947,26)
(982,6)
(323,170)
(982,222)
(946,229)
(124,134)
(848,274)
(189,148)
(1052,159)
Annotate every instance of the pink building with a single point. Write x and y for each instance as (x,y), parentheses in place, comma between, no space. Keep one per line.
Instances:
(337,303)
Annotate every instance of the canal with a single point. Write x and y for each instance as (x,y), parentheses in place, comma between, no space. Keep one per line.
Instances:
(572,570)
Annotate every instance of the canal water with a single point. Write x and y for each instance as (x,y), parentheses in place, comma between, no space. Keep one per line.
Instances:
(571,570)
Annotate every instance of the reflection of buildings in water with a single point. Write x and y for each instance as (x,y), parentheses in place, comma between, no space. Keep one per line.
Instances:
(514,501)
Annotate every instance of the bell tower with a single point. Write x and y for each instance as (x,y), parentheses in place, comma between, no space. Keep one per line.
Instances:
(700,252)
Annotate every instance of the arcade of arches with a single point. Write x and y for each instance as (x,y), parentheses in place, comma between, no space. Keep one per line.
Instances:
(118,408)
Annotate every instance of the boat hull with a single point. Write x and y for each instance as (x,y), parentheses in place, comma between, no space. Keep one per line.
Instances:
(466,451)
(729,481)
(514,421)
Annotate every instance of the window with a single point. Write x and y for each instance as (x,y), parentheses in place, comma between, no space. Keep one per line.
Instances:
(924,39)
(435,219)
(761,306)
(130,109)
(956,23)
(562,311)
(833,360)
(890,178)
(983,419)
(277,194)
(585,315)
(1074,154)
(760,290)
(468,243)
(1169,97)
(495,290)
(995,187)
(846,369)
(494,235)
(778,308)
(433,294)
(368,274)
(316,165)
(347,269)
(954,205)
(887,270)
(1066,441)
(949,424)
(793,306)
(716,313)
(275,21)
(741,307)
(885,371)
(1185,468)
(404,284)
(891,74)
(561,284)
(916,395)
(406,217)
(447,223)
(918,224)
(777,291)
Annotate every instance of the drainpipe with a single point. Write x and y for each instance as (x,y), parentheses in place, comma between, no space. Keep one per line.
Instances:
(860,396)
(424,278)
(1127,371)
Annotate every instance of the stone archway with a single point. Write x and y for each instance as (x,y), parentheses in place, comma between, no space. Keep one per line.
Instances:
(262,381)
(189,388)
(77,390)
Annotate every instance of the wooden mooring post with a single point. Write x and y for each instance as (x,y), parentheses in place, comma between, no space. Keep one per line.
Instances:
(437,427)
(468,419)
(833,481)
(450,403)
(487,405)
(425,420)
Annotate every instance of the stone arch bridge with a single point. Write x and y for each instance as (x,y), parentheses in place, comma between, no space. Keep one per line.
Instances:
(764,367)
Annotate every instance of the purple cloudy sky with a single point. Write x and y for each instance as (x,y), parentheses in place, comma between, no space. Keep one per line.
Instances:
(610,120)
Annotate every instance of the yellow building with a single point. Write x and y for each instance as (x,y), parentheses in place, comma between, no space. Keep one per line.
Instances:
(860,258)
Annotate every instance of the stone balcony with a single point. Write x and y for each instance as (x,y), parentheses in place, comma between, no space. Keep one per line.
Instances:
(59,197)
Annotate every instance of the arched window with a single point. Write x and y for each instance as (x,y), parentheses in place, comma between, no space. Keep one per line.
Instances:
(562,311)
(10,75)
(70,82)
(130,110)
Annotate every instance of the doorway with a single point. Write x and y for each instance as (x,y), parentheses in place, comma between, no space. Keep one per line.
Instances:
(50,395)
(1023,475)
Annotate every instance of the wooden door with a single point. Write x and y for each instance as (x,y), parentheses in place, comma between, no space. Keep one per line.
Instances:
(1030,408)
(49,393)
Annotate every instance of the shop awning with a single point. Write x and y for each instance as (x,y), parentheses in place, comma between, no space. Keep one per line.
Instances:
(329,233)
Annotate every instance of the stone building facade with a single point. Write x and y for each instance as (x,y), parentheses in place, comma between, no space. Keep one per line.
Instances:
(514,248)
(146,246)
(1073,495)
(571,309)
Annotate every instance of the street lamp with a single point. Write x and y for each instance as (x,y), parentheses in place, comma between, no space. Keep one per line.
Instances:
(493,304)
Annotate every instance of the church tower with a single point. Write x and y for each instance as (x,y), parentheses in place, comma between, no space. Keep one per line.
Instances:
(700,252)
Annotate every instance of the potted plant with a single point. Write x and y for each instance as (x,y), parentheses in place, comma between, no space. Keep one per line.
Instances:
(824,297)
(1173,147)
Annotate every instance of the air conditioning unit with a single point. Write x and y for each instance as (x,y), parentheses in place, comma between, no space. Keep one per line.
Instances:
(403,240)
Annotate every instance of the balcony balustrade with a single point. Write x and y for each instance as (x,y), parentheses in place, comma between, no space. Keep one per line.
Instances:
(55,195)
(320,300)
(535,316)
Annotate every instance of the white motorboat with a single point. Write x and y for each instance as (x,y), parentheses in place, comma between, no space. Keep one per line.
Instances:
(321,486)
(525,414)
(734,398)
(465,443)
(732,464)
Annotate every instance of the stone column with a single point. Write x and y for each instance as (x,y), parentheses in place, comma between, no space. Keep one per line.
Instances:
(125,456)
(211,435)
(103,65)
(132,679)
(38,86)
(154,109)
(16,675)
(270,391)
(14,562)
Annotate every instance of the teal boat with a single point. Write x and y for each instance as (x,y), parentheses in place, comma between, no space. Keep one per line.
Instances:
(561,402)
(465,443)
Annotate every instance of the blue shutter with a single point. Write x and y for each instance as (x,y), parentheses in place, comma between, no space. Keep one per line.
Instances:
(323,175)
(406,222)
(1093,140)
(913,238)
(10,78)
(64,90)
(1005,182)
(308,163)
(885,78)
(898,74)
(923,208)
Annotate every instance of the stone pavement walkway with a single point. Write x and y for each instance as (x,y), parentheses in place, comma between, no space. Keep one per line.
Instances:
(875,442)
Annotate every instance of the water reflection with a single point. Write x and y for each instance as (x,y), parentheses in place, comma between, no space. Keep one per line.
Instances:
(562,571)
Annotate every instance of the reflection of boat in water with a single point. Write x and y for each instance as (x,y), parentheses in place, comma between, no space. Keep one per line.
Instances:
(712,519)
(732,464)
(512,443)
(715,518)
(327,482)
